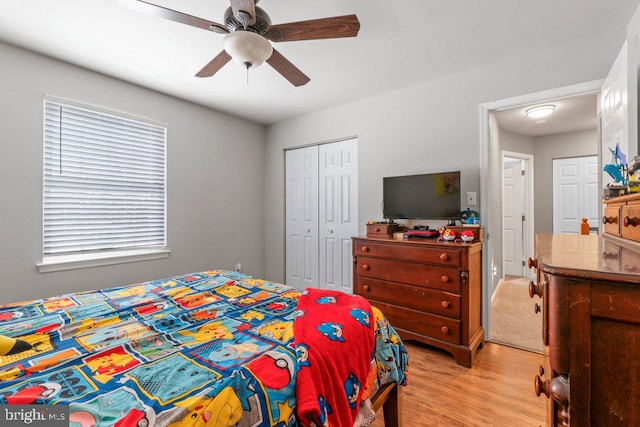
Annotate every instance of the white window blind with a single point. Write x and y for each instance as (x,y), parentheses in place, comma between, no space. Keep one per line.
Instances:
(104,181)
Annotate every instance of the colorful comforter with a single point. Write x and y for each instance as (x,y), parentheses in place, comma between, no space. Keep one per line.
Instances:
(213,348)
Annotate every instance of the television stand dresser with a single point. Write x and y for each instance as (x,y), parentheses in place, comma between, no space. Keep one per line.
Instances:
(429,291)
(590,291)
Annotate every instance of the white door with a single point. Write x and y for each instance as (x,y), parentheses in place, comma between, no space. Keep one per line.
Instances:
(338,213)
(512,220)
(302,217)
(321,215)
(575,193)
(614,112)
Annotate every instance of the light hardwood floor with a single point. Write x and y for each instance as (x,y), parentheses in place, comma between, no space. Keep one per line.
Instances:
(496,391)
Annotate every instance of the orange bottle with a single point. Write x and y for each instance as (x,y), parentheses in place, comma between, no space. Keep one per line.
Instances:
(584,226)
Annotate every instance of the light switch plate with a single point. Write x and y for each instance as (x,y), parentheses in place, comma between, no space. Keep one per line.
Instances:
(471,198)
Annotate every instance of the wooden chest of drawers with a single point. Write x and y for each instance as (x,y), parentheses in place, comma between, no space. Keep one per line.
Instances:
(430,291)
(622,217)
(590,290)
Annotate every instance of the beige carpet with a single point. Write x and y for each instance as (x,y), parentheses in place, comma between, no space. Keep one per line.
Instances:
(513,320)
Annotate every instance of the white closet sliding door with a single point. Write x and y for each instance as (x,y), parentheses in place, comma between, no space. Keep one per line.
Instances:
(302,217)
(338,213)
(318,253)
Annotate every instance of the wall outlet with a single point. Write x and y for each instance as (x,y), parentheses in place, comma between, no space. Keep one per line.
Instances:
(238,267)
(471,198)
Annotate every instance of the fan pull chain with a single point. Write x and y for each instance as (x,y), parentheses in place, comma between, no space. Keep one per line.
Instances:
(247,65)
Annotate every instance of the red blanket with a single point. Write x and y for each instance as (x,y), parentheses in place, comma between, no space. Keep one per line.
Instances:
(334,340)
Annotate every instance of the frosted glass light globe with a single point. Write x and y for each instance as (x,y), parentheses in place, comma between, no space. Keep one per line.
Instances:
(540,111)
(247,48)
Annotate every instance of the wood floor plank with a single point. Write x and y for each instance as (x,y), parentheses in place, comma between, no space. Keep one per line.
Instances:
(496,391)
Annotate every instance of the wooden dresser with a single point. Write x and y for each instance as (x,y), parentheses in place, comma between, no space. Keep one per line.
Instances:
(590,290)
(622,217)
(430,291)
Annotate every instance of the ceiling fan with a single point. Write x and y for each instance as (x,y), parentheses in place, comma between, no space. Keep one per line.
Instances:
(248,33)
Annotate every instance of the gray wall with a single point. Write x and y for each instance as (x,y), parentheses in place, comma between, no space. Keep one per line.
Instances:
(215,171)
(430,127)
(547,148)
(544,149)
(516,143)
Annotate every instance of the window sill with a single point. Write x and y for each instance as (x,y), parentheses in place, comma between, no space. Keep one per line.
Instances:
(73,262)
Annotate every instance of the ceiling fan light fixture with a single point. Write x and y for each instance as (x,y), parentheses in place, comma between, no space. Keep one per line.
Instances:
(247,48)
(540,111)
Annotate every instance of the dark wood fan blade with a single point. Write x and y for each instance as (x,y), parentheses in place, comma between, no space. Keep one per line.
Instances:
(287,69)
(324,28)
(246,6)
(214,65)
(173,15)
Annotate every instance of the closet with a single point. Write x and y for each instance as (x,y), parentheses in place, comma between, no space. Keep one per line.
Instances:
(321,214)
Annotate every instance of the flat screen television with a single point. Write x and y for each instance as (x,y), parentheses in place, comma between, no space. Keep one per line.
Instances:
(425,196)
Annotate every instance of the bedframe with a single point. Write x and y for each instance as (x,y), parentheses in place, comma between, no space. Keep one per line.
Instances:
(208,348)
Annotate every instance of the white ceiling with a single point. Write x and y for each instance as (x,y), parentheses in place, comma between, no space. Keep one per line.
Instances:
(571,114)
(401,43)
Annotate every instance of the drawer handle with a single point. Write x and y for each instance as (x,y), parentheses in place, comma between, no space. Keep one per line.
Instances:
(377,230)
(445,304)
(541,387)
(366,288)
(445,278)
(557,388)
(444,330)
(630,221)
(536,308)
(365,266)
(444,257)
(365,249)
(536,289)
(609,219)
(559,391)
(532,263)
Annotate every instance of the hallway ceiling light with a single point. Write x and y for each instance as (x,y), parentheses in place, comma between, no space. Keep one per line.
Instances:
(540,111)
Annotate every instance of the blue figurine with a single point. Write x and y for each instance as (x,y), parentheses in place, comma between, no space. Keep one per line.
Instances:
(617,171)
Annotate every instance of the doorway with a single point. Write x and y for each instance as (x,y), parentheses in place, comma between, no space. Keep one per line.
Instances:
(492,185)
(517,212)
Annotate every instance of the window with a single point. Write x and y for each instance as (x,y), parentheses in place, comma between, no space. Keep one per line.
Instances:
(104,187)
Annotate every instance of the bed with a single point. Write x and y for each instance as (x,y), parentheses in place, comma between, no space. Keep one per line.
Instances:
(210,348)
